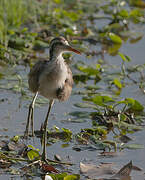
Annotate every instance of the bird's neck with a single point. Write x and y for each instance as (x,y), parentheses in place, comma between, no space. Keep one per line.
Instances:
(56,57)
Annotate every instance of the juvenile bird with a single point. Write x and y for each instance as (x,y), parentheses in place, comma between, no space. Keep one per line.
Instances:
(52,79)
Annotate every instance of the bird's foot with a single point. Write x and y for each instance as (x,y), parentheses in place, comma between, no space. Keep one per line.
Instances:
(26,134)
(42,128)
(44,157)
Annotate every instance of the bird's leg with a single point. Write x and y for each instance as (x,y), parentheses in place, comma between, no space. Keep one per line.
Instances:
(32,120)
(45,131)
(30,116)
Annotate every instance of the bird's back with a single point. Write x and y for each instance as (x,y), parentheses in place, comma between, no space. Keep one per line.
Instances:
(34,75)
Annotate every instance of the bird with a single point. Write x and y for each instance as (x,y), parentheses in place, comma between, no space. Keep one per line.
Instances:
(52,78)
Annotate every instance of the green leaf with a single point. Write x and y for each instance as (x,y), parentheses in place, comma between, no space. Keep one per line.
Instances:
(57,1)
(89,70)
(30,146)
(123,13)
(32,154)
(96,131)
(123,124)
(58,176)
(133,146)
(15,138)
(67,131)
(117,83)
(124,57)
(130,101)
(85,105)
(135,106)
(102,100)
(115,38)
(72,177)
(99,144)
(136,13)
(113,49)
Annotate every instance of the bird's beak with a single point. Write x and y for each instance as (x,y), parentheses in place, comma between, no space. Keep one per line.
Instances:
(73,50)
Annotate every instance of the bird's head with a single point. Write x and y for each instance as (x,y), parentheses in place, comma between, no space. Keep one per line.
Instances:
(60,45)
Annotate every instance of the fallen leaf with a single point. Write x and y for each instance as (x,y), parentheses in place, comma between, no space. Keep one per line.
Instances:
(92,171)
(49,168)
(124,172)
(135,168)
(4,164)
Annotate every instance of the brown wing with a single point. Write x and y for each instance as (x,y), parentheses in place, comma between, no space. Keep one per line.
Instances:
(64,92)
(34,75)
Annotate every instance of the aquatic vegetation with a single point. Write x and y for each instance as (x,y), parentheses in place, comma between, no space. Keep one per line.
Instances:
(101,30)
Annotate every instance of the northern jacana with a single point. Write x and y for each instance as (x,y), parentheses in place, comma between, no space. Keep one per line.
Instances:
(52,79)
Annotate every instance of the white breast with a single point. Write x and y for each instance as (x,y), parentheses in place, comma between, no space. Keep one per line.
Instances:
(52,78)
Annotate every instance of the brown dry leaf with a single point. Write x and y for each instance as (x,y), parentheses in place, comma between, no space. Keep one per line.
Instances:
(49,168)
(4,164)
(124,172)
(135,168)
(92,171)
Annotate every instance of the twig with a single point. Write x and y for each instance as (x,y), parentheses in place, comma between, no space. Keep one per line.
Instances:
(3,156)
(58,162)
(31,164)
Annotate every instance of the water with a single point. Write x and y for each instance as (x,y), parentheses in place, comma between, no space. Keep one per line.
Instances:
(13,119)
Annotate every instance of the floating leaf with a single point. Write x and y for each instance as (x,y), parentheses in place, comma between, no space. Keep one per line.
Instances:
(117,83)
(134,105)
(113,49)
(102,145)
(32,154)
(15,138)
(85,105)
(93,171)
(72,177)
(123,13)
(124,57)
(89,70)
(133,146)
(115,38)
(62,176)
(102,100)
(135,39)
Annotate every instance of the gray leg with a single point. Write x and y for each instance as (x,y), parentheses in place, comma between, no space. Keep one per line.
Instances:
(44,156)
(30,116)
(32,121)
